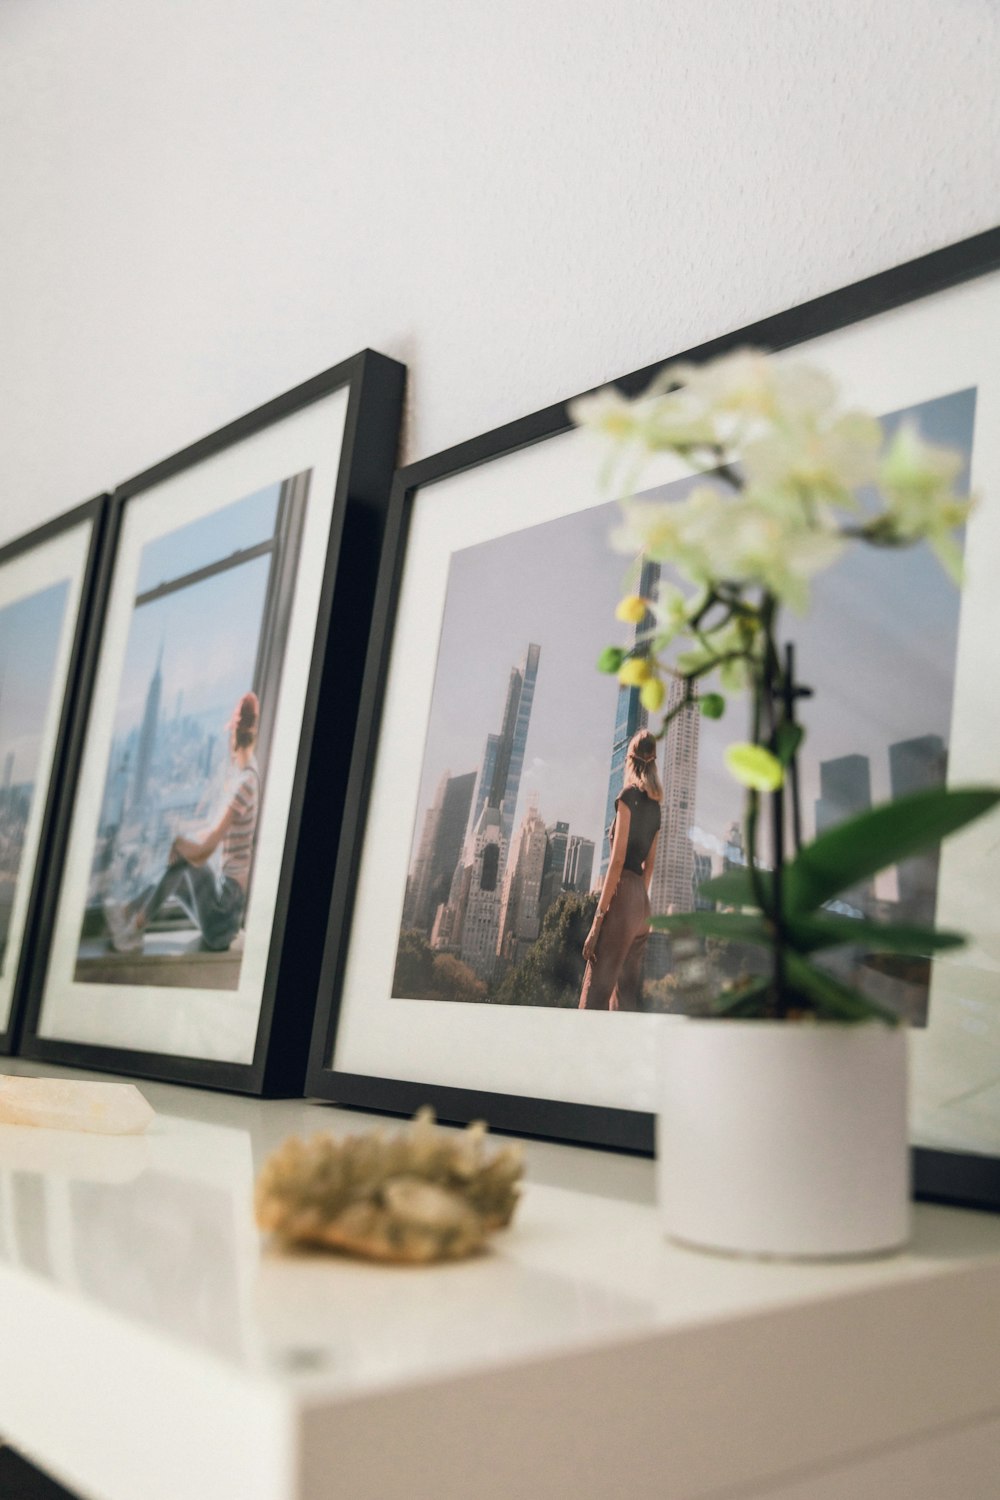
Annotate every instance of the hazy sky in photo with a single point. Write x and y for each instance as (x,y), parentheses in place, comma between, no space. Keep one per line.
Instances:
(207,632)
(878,647)
(208,637)
(244,523)
(30,631)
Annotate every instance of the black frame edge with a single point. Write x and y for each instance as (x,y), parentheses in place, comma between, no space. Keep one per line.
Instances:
(367,456)
(962,1179)
(514,1114)
(95,511)
(321,786)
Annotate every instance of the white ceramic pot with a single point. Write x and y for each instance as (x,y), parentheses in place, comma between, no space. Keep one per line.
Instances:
(784,1138)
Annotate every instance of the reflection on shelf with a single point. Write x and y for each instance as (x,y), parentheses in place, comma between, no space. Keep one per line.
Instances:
(156,1227)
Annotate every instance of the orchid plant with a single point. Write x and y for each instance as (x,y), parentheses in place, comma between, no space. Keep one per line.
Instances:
(791,477)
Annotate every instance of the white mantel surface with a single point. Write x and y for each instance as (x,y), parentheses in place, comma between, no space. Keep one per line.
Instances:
(154,1348)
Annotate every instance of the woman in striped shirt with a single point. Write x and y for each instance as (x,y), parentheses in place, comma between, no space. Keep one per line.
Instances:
(214,904)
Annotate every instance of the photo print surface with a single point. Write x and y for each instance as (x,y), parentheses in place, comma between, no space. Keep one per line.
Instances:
(206,775)
(30,632)
(171,874)
(525,753)
(40,592)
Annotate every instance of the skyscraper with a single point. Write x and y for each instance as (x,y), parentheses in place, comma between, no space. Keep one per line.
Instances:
(734,856)
(556,840)
(579,869)
(671,889)
(440,846)
(917,765)
(418,880)
(630,717)
(702,872)
(520,910)
(845,786)
(513,738)
(116,798)
(481,921)
(484,781)
(673,869)
(497,787)
(147,735)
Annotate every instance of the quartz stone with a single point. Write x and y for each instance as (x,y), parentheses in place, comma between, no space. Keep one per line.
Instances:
(417,1195)
(66,1104)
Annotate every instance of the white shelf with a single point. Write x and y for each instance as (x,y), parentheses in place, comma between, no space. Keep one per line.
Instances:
(154,1349)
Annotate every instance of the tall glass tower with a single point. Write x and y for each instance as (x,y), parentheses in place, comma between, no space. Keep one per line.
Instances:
(482,862)
(915,766)
(629,719)
(513,738)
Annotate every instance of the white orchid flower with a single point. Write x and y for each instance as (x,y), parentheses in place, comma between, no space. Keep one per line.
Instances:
(772,545)
(917,480)
(738,640)
(752,385)
(820,464)
(788,459)
(673,531)
(672,612)
(606,412)
(678,422)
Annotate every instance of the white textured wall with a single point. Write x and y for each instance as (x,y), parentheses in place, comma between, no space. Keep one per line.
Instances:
(204,202)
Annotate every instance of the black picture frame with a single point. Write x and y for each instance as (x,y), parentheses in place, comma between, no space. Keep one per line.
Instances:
(91,519)
(943,1175)
(357,496)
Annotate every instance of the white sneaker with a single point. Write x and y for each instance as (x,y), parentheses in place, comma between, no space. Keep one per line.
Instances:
(126,935)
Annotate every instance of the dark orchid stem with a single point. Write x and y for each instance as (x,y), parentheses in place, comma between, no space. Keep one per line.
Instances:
(774,694)
(753,809)
(778,834)
(793,769)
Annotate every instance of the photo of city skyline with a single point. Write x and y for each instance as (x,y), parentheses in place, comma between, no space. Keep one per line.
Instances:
(524,754)
(208,625)
(30,632)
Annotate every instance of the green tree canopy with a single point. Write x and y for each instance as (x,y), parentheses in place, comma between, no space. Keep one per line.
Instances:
(414,966)
(454,980)
(552,973)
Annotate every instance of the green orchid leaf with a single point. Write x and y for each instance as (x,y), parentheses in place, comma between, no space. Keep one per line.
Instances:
(610,659)
(754,766)
(862,846)
(735,887)
(810,934)
(787,741)
(722,924)
(831,999)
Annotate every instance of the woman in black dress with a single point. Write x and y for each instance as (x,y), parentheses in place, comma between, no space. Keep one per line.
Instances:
(616,943)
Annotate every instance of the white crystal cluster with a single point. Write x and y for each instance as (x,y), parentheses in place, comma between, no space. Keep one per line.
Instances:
(418,1195)
(68,1104)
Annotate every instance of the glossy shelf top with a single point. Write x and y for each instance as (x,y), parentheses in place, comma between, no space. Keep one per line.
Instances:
(158,1231)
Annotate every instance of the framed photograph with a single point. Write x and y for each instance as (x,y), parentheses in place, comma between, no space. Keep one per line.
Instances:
(490,755)
(46,588)
(183,926)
